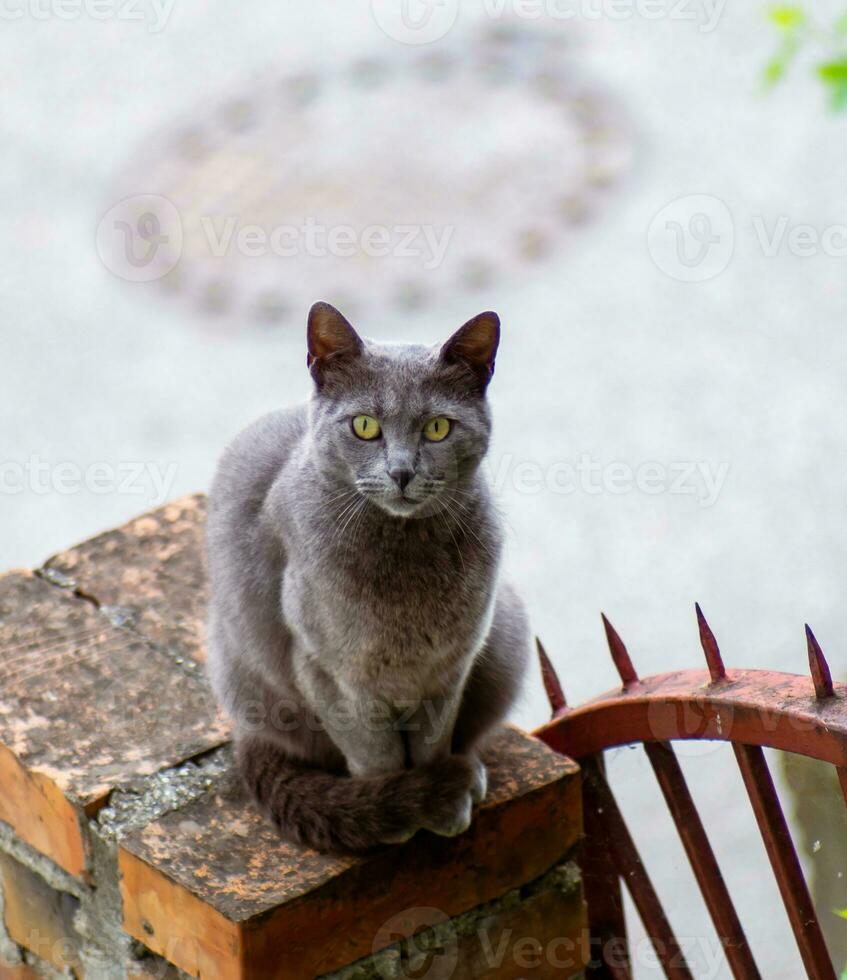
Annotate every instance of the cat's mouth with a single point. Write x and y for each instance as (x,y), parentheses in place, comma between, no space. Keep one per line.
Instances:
(399,504)
(406,502)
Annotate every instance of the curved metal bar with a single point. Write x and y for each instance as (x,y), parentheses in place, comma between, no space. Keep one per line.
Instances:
(750,707)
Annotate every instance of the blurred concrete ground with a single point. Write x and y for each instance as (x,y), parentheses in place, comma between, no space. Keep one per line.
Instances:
(604,355)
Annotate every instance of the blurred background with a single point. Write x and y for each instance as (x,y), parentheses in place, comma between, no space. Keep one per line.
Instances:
(657,214)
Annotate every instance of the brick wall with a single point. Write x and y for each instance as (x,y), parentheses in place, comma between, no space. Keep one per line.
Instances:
(127,849)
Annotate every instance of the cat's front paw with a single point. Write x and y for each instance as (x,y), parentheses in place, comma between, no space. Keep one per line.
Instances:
(479,787)
(447,806)
(453,820)
(398,837)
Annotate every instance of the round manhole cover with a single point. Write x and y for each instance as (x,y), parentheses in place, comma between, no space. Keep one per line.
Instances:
(388,183)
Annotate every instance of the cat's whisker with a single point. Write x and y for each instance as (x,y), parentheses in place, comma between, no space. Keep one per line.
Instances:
(340,495)
(352,511)
(350,505)
(458,547)
(465,526)
(349,508)
(338,526)
(356,511)
(495,504)
(359,521)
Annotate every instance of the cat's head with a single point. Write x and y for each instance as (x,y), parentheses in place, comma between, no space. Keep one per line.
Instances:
(403,425)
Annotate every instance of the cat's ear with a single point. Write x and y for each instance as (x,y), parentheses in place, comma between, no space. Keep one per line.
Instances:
(474,346)
(330,338)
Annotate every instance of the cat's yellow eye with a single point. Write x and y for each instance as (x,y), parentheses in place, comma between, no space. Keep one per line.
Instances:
(366,427)
(437,429)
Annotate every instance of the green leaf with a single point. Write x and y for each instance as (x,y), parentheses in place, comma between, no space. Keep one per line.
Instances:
(776,68)
(774,71)
(843,914)
(786,18)
(840,25)
(834,72)
(834,76)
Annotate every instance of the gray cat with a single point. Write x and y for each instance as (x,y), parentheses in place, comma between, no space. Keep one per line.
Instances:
(359,635)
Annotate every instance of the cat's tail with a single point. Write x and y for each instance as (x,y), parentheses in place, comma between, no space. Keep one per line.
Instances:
(355,814)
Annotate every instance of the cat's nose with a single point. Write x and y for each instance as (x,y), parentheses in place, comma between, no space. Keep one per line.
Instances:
(401,476)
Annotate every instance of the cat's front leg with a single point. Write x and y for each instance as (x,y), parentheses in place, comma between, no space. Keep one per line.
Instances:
(361,726)
(428,727)
(371,743)
(429,735)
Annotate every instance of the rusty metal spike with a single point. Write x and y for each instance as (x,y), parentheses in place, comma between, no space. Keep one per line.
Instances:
(717,671)
(821,676)
(619,653)
(552,685)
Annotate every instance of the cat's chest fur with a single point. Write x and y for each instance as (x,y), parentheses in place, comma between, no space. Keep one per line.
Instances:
(397,606)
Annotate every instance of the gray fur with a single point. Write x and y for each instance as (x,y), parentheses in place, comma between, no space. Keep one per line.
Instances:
(359,634)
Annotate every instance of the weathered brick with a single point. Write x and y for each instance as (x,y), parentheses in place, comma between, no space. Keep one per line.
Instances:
(542,938)
(151,570)
(85,706)
(536,931)
(38,917)
(212,889)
